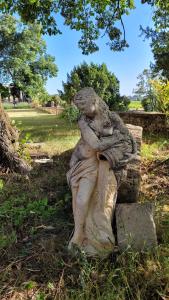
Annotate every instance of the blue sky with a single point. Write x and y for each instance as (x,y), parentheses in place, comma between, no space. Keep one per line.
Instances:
(126,65)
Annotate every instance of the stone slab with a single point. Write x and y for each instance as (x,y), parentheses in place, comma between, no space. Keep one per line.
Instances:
(135,226)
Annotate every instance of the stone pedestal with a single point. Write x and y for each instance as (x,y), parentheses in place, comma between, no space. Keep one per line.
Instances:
(135,226)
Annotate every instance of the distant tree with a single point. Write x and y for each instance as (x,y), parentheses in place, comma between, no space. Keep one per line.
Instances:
(57,100)
(161,91)
(97,76)
(122,104)
(4,91)
(145,91)
(159,36)
(24,62)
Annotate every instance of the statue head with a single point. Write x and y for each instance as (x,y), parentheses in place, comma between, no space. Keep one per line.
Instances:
(88,102)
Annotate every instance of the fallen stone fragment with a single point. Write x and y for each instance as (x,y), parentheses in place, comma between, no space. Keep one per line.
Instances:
(44,161)
(135,226)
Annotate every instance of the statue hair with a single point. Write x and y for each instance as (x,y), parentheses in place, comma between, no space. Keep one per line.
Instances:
(88,93)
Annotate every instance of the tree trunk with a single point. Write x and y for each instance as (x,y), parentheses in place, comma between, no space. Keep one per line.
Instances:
(9,158)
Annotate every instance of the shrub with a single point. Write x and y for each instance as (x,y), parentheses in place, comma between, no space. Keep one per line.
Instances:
(71,114)
(147,104)
(103,81)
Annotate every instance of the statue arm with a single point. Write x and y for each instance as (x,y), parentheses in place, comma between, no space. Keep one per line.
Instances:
(120,125)
(92,140)
(75,156)
(74,159)
(130,157)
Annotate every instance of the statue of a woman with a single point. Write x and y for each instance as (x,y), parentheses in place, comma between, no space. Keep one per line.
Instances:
(100,156)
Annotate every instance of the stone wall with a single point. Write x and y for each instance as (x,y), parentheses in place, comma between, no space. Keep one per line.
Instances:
(52,110)
(149,121)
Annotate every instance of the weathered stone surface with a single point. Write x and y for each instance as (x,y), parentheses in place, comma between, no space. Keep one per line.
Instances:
(52,110)
(105,146)
(137,132)
(129,188)
(135,226)
(43,161)
(150,121)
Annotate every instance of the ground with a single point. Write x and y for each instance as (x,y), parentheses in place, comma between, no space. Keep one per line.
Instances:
(36,224)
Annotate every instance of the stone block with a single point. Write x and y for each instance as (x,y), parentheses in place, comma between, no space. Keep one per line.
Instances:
(129,189)
(135,226)
(137,132)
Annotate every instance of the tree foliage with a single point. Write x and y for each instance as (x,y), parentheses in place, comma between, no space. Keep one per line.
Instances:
(144,90)
(159,36)
(93,18)
(24,62)
(100,78)
(161,91)
(4,91)
(153,92)
(143,87)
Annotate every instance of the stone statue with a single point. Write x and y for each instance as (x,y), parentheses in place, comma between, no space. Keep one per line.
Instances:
(96,168)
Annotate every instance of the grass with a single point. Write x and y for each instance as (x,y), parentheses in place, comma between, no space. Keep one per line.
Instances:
(135,105)
(155,146)
(20,105)
(36,224)
(57,135)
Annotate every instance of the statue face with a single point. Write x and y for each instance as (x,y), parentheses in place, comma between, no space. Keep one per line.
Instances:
(87,101)
(87,107)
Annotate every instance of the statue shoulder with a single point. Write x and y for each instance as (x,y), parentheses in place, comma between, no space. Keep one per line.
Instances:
(115,117)
(117,121)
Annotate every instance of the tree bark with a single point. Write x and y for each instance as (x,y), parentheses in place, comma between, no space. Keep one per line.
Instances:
(9,158)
